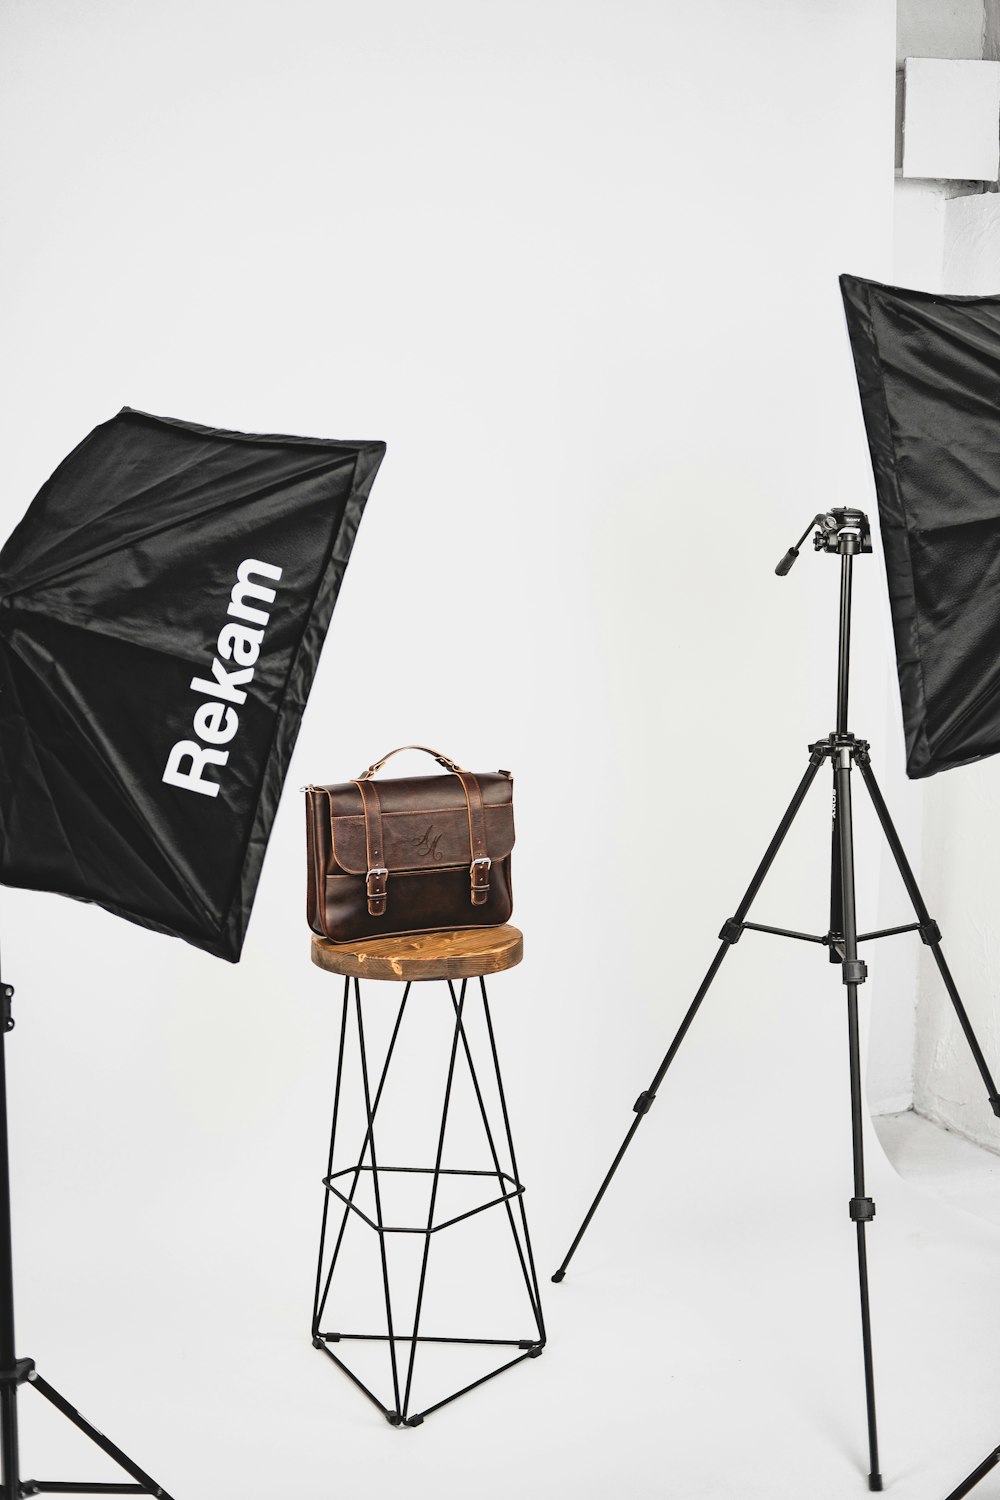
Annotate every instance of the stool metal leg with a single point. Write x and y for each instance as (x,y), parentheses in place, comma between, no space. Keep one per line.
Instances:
(367,1145)
(539,1319)
(319,1299)
(349,1200)
(508,1187)
(380,1223)
(434,1191)
(527,1265)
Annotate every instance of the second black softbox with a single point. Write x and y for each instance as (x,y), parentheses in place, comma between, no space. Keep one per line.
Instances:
(928,368)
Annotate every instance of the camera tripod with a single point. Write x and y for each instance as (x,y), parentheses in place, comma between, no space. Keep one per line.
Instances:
(847,533)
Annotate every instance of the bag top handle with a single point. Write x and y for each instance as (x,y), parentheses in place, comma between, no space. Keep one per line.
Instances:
(442,760)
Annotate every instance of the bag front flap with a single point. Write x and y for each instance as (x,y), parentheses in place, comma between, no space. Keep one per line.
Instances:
(425,822)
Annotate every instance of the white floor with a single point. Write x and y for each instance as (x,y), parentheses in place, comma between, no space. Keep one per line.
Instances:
(943,1163)
(704,1347)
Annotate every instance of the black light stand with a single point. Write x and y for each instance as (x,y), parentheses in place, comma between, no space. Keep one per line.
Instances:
(16,1372)
(847,533)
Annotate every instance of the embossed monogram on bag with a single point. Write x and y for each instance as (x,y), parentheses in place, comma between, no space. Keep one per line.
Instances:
(428,846)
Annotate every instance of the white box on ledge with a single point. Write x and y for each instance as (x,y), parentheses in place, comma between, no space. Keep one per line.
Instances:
(951,119)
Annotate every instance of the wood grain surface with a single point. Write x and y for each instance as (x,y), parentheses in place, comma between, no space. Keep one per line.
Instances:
(425,955)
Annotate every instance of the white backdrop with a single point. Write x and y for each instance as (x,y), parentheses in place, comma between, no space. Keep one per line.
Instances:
(576,263)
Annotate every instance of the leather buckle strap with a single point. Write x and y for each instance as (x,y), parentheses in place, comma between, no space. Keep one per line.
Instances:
(377,881)
(479,869)
(479,876)
(377,886)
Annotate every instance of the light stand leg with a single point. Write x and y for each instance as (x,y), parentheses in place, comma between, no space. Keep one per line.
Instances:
(862,1209)
(977,1474)
(930,933)
(15,1372)
(731,932)
(8,1353)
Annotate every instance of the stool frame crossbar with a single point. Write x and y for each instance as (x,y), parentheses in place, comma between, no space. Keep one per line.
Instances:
(509,1189)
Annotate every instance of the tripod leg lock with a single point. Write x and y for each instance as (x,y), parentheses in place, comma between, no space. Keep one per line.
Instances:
(644,1102)
(854,971)
(732,931)
(862,1209)
(930,932)
(22,1371)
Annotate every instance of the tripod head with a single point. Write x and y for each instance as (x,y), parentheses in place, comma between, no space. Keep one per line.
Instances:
(843,531)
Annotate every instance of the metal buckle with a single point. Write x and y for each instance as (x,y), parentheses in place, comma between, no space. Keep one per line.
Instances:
(479,879)
(377,870)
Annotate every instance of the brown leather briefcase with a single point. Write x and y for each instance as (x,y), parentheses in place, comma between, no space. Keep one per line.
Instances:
(409,854)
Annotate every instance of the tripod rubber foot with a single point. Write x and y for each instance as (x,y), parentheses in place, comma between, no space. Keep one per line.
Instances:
(559,1275)
(874,1481)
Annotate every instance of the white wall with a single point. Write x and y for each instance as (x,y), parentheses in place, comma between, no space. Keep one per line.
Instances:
(918,237)
(576,263)
(946,239)
(915,1045)
(939,28)
(960,867)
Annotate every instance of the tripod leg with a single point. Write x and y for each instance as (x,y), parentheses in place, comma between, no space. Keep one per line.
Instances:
(930,933)
(8,1415)
(862,1209)
(143,1486)
(730,934)
(977,1474)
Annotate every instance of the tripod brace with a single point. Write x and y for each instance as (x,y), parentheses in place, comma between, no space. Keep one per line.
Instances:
(847,534)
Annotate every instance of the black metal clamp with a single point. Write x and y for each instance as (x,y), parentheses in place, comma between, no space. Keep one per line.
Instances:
(22,1371)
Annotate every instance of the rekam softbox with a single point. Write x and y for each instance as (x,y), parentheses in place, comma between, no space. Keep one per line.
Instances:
(162,608)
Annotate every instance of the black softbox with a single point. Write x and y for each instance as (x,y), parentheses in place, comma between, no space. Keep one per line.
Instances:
(162,608)
(928,367)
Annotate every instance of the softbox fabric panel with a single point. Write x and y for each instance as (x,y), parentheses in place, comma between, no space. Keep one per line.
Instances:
(162,608)
(928,369)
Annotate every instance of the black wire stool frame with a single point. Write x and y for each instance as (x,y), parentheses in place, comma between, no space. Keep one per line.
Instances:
(509,1188)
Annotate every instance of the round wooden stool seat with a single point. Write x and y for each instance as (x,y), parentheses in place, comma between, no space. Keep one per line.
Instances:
(427,955)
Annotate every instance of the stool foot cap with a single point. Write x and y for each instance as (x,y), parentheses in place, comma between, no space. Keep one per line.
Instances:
(559,1275)
(416,1421)
(394,1419)
(536,1351)
(874,1481)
